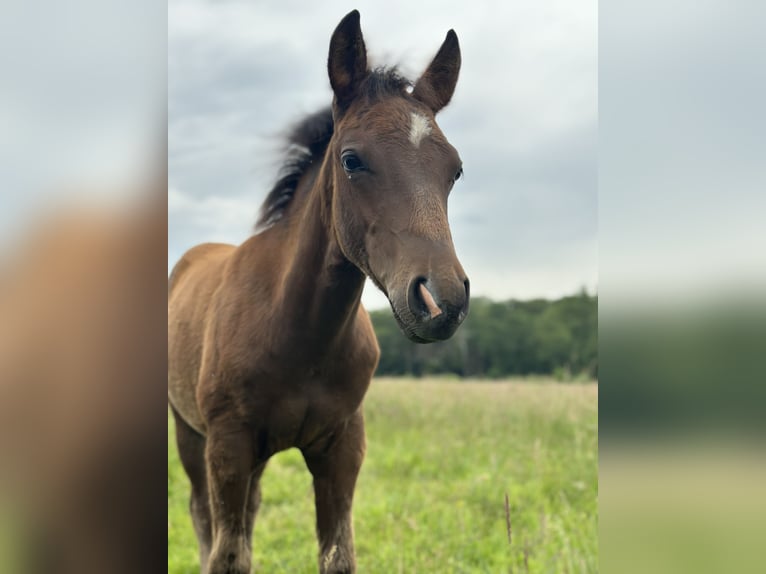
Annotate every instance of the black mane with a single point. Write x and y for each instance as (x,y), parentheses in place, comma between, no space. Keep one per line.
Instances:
(308,141)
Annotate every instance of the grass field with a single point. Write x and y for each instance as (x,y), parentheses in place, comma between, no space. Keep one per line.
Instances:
(441,457)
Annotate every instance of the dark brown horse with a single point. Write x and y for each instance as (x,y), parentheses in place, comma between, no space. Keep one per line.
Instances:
(269,347)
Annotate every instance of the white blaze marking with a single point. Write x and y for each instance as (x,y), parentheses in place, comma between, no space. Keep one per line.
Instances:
(419,128)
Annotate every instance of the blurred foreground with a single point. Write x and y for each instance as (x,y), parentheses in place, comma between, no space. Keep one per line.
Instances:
(83,223)
(682,506)
(82,391)
(682,278)
(682,478)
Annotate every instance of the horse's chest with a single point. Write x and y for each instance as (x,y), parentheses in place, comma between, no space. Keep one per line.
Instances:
(289,400)
(313,407)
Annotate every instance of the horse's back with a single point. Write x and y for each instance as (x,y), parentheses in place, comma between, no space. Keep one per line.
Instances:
(195,259)
(191,286)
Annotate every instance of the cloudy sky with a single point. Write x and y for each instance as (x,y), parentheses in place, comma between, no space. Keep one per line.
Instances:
(524,119)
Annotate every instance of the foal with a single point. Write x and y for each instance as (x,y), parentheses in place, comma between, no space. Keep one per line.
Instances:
(268,345)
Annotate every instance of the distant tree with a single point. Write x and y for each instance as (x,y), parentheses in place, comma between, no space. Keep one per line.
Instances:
(498,339)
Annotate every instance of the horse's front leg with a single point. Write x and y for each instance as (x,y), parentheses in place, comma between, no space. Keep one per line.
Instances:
(335,466)
(229,459)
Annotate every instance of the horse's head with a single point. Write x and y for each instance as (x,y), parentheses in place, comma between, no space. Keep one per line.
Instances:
(393,170)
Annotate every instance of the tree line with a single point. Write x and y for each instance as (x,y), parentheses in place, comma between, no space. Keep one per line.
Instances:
(556,338)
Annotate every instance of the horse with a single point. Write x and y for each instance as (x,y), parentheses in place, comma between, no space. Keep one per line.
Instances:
(269,347)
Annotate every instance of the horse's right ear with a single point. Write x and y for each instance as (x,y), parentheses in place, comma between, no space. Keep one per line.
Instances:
(347,63)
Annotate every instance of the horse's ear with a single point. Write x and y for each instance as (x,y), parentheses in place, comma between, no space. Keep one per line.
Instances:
(347,63)
(437,84)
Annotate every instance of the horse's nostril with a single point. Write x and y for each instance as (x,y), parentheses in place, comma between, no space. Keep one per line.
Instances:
(414,297)
(426,303)
(422,300)
(433,309)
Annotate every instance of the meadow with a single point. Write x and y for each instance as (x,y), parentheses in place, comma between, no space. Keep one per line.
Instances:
(431,497)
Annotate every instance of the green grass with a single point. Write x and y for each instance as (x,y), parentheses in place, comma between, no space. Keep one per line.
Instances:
(441,457)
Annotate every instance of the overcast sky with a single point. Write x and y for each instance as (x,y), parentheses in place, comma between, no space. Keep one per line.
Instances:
(524,119)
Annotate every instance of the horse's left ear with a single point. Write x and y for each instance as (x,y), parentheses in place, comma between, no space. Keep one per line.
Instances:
(437,84)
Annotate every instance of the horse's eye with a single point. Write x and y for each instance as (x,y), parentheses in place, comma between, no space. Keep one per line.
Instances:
(351,162)
(459,174)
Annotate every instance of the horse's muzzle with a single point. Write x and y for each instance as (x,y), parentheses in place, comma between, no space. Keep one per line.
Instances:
(436,308)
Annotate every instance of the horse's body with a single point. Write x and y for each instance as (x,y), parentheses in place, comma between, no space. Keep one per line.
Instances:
(269,347)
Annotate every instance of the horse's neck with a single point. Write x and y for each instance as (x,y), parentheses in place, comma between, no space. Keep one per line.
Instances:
(321,289)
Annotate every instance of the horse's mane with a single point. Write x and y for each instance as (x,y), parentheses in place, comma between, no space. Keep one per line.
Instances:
(308,140)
